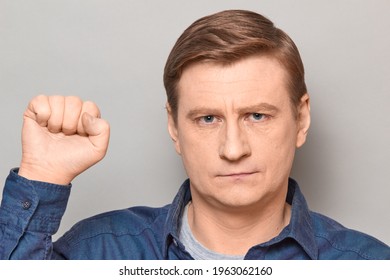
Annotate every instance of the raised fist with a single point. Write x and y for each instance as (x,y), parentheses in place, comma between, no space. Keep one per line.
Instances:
(61,138)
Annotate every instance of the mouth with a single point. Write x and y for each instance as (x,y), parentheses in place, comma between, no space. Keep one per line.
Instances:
(237,175)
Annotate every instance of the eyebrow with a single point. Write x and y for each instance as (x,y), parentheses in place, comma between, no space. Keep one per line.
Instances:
(259,108)
(262,107)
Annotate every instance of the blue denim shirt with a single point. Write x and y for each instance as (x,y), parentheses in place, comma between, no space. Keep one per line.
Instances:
(31,212)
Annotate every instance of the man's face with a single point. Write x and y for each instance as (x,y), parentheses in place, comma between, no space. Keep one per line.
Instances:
(236,131)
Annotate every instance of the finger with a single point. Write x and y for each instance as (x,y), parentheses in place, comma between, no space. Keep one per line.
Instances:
(90,108)
(72,111)
(57,104)
(39,110)
(98,131)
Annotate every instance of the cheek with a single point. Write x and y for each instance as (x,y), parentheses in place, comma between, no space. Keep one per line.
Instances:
(275,147)
(197,152)
(285,140)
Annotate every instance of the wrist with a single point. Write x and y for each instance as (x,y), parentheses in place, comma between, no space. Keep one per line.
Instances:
(35,173)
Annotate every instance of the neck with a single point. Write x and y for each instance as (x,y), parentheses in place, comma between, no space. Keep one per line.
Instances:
(234,232)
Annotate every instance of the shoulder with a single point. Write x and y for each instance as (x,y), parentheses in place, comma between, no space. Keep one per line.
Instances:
(127,221)
(338,242)
(116,229)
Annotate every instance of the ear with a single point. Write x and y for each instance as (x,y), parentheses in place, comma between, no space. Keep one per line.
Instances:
(172,129)
(303,120)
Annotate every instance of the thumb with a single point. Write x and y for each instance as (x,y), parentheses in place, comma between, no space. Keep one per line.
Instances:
(97,130)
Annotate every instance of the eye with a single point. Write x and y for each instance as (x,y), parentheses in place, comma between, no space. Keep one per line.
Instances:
(207,119)
(257,116)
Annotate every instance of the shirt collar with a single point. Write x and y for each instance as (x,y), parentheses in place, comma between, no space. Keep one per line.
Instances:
(300,227)
(173,222)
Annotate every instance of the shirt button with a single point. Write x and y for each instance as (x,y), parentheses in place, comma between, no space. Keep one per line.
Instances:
(26,205)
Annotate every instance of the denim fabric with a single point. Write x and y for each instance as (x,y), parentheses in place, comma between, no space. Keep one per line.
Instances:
(31,211)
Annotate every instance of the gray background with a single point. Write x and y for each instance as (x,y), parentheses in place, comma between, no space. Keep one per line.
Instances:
(113,52)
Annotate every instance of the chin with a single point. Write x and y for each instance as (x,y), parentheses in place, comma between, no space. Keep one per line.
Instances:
(239,198)
(238,205)
(232,194)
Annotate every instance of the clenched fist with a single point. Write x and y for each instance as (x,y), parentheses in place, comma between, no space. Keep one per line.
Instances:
(61,138)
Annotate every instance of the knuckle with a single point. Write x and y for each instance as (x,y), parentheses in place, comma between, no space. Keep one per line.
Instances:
(105,125)
(74,101)
(39,97)
(69,128)
(56,100)
(39,106)
(91,108)
(55,128)
(89,103)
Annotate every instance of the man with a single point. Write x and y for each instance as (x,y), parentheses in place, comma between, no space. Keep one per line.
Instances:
(237,110)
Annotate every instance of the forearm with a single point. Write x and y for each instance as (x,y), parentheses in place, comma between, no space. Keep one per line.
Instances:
(30,214)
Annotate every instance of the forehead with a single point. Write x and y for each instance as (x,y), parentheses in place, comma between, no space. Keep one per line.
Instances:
(250,80)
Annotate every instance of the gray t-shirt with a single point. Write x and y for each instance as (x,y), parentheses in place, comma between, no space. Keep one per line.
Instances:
(197,250)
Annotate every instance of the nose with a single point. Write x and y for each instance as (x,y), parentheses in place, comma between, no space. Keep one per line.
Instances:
(234,143)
